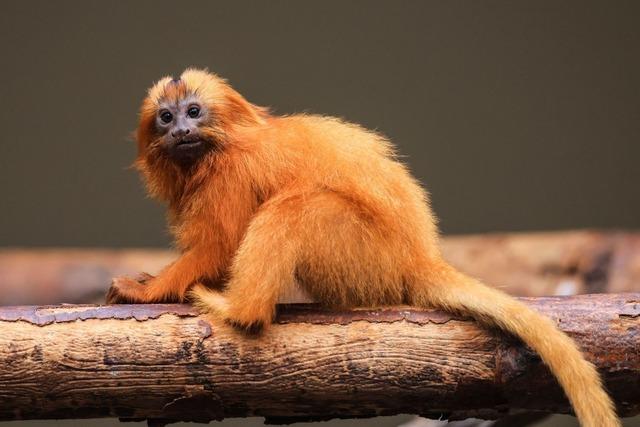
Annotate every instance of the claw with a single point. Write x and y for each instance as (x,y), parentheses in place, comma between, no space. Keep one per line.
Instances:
(144,277)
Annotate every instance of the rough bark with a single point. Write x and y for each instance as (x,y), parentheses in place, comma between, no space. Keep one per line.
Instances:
(525,264)
(164,362)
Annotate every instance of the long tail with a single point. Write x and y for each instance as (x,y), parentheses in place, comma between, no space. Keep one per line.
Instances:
(454,291)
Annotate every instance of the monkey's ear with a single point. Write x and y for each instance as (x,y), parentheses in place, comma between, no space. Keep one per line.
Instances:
(239,110)
(143,133)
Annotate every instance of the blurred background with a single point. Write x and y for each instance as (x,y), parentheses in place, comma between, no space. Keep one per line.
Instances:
(517,116)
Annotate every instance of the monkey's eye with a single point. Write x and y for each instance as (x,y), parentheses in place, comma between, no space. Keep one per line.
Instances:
(166,117)
(193,112)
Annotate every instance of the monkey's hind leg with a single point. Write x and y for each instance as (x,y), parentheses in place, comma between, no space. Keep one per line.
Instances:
(262,267)
(319,238)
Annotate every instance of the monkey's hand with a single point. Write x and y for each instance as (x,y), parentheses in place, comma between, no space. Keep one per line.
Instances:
(125,290)
(144,277)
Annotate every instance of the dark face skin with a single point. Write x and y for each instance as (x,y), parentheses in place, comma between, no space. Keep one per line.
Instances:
(179,125)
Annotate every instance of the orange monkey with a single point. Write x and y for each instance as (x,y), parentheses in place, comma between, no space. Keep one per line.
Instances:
(260,203)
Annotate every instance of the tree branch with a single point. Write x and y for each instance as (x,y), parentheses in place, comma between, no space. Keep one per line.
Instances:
(166,363)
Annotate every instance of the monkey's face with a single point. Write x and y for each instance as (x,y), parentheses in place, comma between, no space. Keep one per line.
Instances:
(184,120)
(179,124)
(180,120)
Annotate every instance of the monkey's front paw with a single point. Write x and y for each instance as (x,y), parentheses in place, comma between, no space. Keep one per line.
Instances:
(124,290)
(144,278)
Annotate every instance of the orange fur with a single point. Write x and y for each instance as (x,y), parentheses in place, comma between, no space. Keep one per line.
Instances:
(325,204)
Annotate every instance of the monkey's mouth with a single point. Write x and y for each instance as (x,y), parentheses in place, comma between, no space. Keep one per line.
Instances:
(188,150)
(189,143)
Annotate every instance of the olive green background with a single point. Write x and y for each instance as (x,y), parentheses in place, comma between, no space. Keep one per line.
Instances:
(515,115)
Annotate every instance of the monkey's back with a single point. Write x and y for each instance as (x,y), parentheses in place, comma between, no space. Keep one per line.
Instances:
(367,221)
(360,164)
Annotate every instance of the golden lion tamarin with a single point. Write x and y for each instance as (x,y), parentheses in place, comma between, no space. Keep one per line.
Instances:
(259,203)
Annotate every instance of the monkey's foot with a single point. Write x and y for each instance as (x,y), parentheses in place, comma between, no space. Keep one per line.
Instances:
(250,316)
(251,327)
(125,290)
(208,301)
(214,303)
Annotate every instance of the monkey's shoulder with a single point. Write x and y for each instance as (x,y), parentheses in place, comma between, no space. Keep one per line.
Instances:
(331,135)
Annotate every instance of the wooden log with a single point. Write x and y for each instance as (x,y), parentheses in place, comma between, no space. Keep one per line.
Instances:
(525,264)
(166,363)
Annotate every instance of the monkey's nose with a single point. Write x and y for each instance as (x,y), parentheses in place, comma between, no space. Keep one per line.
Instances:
(178,133)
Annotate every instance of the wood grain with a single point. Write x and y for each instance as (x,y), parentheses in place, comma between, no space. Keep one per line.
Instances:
(166,363)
